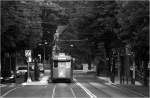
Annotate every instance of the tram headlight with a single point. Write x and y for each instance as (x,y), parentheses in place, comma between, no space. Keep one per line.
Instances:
(62,74)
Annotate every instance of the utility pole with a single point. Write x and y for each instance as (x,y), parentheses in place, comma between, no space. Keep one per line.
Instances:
(45,43)
(118,62)
(44,50)
(10,62)
(28,55)
(44,56)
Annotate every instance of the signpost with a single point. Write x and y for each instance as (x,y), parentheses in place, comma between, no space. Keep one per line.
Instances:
(29,59)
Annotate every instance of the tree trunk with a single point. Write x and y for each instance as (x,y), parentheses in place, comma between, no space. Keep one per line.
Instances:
(113,70)
(89,62)
(122,70)
(109,66)
(98,69)
(146,73)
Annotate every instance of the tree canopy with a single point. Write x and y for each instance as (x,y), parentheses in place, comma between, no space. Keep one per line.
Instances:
(133,16)
(25,23)
(20,28)
(116,23)
(93,21)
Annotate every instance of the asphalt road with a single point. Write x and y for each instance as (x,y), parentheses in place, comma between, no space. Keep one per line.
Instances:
(83,86)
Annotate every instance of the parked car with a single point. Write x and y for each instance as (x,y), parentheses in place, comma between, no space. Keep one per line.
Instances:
(7,77)
(21,70)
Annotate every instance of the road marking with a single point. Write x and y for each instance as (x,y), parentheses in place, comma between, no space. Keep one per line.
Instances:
(10,91)
(73,93)
(53,94)
(85,89)
(95,84)
(45,86)
(12,85)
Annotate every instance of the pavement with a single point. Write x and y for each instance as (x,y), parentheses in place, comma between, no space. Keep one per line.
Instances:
(42,81)
(137,88)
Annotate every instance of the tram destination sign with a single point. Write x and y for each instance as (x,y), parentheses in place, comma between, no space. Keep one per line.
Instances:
(28,55)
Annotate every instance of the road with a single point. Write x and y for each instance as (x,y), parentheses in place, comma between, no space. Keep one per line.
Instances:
(83,86)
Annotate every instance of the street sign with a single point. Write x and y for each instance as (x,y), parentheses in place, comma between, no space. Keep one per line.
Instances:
(29,59)
(28,53)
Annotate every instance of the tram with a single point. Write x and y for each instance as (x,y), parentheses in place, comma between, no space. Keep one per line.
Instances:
(61,68)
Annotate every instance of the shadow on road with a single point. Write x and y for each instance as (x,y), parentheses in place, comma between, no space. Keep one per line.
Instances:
(61,81)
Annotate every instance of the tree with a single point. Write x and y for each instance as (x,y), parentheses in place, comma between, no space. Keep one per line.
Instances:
(133,16)
(52,16)
(92,20)
(20,29)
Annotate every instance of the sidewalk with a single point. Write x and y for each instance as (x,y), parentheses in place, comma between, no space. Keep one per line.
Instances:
(43,80)
(137,88)
(83,71)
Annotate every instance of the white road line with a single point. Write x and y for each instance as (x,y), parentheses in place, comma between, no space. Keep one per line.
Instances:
(73,93)
(53,94)
(12,85)
(85,89)
(9,91)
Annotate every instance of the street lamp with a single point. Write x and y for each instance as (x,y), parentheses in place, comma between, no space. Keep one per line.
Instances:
(71,47)
(45,43)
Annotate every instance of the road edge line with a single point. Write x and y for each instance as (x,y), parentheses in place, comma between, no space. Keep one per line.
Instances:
(73,93)
(53,94)
(10,91)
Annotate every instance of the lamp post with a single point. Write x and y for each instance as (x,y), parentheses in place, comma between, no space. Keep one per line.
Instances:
(71,47)
(45,43)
